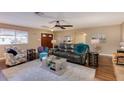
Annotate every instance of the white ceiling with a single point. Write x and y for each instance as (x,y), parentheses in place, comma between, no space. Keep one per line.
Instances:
(78,19)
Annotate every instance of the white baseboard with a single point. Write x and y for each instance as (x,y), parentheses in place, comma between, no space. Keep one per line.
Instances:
(106,54)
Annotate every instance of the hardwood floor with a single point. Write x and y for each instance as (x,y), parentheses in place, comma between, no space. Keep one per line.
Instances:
(119,71)
(2,64)
(105,71)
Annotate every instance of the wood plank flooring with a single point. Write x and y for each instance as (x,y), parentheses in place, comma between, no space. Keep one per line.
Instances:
(105,71)
(2,64)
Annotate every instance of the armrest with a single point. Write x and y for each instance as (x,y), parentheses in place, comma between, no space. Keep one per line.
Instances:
(9,59)
(84,55)
(9,56)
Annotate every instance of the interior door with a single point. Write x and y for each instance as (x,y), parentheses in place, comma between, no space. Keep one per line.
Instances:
(46,40)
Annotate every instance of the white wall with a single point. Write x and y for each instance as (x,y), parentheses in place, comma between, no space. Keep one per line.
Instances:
(112,33)
(80,37)
(59,35)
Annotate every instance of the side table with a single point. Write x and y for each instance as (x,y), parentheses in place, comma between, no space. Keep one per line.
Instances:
(31,54)
(93,59)
(118,58)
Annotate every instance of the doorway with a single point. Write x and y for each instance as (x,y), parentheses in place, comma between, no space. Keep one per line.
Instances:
(46,40)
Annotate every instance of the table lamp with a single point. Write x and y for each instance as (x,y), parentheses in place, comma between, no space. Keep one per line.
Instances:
(96,45)
(122,45)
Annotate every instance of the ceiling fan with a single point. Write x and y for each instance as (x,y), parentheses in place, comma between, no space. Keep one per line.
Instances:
(57,22)
(57,25)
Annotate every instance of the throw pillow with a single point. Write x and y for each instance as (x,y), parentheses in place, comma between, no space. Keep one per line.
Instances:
(12,51)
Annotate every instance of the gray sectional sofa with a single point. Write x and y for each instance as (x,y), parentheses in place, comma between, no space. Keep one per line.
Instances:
(76,53)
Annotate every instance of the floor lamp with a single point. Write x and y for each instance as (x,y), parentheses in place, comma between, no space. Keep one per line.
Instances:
(96,45)
(53,42)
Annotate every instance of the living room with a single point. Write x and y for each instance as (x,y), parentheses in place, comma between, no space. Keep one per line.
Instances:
(102,32)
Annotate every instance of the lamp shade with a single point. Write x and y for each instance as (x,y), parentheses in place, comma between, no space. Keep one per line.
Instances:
(53,41)
(96,45)
(122,45)
(95,41)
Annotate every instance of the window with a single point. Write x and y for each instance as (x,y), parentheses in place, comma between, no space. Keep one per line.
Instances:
(9,36)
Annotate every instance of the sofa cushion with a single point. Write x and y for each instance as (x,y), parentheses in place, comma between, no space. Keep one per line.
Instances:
(62,50)
(74,56)
(61,54)
(19,56)
(64,54)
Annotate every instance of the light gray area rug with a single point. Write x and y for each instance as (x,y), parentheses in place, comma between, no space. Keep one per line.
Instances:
(2,77)
(33,71)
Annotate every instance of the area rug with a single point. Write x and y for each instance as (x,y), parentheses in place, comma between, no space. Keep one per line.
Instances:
(33,71)
(2,77)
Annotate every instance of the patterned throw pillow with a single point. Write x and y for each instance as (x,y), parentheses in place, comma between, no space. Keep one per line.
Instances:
(12,51)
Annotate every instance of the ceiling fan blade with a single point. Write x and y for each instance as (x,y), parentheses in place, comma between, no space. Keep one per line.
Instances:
(67,25)
(57,25)
(42,14)
(62,27)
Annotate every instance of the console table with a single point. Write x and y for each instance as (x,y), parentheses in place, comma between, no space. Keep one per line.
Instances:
(120,51)
(119,56)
